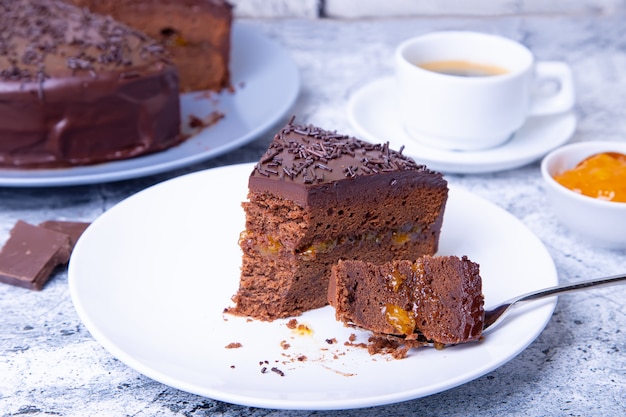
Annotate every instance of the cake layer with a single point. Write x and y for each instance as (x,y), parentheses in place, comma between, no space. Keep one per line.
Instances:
(197,34)
(316,197)
(78,88)
(439,297)
(347,186)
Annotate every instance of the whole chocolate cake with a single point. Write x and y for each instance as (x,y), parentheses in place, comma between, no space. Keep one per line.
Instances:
(437,297)
(197,34)
(318,196)
(78,88)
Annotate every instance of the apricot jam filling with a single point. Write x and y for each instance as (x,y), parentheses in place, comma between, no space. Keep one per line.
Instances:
(406,234)
(268,245)
(395,280)
(400,319)
(601,176)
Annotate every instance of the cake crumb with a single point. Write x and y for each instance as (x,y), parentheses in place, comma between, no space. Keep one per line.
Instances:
(284,344)
(331,341)
(292,324)
(212,118)
(352,344)
(277,371)
(233,345)
(397,349)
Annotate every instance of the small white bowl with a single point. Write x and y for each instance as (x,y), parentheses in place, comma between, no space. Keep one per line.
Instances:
(600,222)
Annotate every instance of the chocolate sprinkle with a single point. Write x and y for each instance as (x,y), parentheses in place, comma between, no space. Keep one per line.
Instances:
(278,371)
(53,31)
(311,152)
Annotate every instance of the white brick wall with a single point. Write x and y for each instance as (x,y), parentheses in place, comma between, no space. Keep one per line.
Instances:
(352,9)
(276,8)
(572,6)
(395,8)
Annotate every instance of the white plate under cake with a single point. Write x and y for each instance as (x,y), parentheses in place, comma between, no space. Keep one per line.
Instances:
(177,267)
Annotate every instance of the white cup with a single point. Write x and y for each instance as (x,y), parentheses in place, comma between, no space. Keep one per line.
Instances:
(474,112)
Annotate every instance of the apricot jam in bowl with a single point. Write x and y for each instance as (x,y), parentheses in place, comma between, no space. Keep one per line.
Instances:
(585,183)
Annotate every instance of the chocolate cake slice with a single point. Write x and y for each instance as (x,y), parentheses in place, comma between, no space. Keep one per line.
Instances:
(316,197)
(439,297)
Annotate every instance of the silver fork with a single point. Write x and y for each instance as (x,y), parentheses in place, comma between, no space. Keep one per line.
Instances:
(495,315)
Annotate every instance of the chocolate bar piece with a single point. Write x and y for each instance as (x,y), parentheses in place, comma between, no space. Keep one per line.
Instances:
(30,255)
(72,229)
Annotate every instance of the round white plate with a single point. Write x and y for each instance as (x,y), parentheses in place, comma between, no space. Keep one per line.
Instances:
(151,277)
(266,83)
(371,110)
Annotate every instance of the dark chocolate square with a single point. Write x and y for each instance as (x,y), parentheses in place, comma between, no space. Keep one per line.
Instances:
(30,255)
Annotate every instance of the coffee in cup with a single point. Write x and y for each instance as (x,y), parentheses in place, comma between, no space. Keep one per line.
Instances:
(462,68)
(469,91)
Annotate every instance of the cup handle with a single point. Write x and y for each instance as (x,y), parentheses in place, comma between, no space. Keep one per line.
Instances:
(563,99)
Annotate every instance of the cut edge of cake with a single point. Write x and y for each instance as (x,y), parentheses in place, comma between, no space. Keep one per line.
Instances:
(435,299)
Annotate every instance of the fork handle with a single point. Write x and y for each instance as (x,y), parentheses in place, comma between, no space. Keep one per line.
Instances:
(496,314)
(562,289)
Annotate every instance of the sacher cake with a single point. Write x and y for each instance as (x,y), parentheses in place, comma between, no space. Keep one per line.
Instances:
(433,298)
(317,197)
(197,33)
(78,88)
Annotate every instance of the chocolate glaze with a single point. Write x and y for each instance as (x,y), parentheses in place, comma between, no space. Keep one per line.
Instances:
(304,162)
(78,88)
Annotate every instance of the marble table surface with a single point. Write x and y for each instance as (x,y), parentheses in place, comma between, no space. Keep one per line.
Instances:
(51,365)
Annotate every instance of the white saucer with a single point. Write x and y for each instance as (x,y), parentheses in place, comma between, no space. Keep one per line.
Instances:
(371,111)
